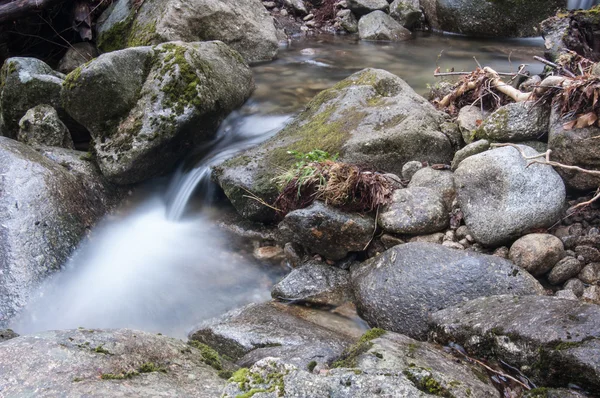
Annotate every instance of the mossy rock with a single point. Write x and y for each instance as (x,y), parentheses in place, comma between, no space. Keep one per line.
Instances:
(372,118)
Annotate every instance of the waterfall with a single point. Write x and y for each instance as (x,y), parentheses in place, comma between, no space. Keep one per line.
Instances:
(581,4)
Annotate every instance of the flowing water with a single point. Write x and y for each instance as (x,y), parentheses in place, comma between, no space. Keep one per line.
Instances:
(163,265)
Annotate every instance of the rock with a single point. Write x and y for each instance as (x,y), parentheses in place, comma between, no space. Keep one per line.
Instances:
(46,207)
(565,269)
(399,289)
(436,238)
(410,168)
(516,121)
(24,84)
(7,334)
(315,283)
(441,181)
(592,295)
(469,150)
(553,341)
(372,118)
(575,285)
(566,294)
(390,241)
(414,211)
(530,83)
(576,147)
(42,126)
(364,7)
(296,6)
(589,254)
(537,253)
(146,107)
(590,274)
(105,363)
(544,392)
(268,253)
(245,25)
(348,21)
(562,33)
(489,18)
(77,55)
(327,231)
(406,12)
(502,198)
(453,245)
(257,331)
(469,119)
(380,26)
(462,232)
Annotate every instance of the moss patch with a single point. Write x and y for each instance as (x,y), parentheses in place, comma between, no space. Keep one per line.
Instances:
(209,356)
(424,381)
(127,33)
(349,358)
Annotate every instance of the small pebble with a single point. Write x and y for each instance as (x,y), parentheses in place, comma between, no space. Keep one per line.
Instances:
(308,17)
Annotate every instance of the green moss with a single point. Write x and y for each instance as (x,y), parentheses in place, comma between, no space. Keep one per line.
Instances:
(241,377)
(72,79)
(101,350)
(311,366)
(150,367)
(424,381)
(77,379)
(225,374)
(120,376)
(209,356)
(251,393)
(349,358)
(142,35)
(565,345)
(541,392)
(367,78)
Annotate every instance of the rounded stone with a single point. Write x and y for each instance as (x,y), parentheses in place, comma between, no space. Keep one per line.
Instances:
(566,268)
(537,253)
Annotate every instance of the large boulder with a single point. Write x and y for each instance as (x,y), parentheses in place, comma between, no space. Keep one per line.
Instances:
(42,126)
(502,197)
(400,288)
(243,24)
(407,12)
(508,18)
(146,107)
(105,363)
(364,7)
(49,201)
(576,147)
(256,331)
(554,341)
(24,84)
(567,32)
(372,118)
(380,26)
(327,231)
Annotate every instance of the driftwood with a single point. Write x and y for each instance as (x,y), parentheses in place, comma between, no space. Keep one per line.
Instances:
(13,10)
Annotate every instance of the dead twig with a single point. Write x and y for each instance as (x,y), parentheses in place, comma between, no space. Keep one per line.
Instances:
(555,66)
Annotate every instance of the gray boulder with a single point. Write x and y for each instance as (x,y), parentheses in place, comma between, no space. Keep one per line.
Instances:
(379,26)
(77,55)
(296,6)
(7,334)
(42,126)
(471,149)
(105,363)
(46,207)
(146,107)
(399,289)
(441,181)
(327,231)
(257,331)
(372,118)
(552,340)
(537,253)
(364,7)
(406,12)
(576,147)
(415,211)
(25,83)
(245,25)
(511,18)
(469,119)
(315,283)
(516,121)
(501,198)
(348,21)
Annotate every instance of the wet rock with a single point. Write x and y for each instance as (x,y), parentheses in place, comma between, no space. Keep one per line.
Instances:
(502,198)
(327,231)
(257,331)
(414,211)
(406,12)
(24,84)
(372,118)
(565,269)
(245,25)
(469,119)
(589,254)
(399,289)
(364,7)
(575,285)
(576,147)
(269,253)
(516,121)
(315,283)
(146,107)
(7,334)
(77,55)
(489,18)
(42,126)
(105,363)
(469,150)
(552,340)
(380,26)
(410,168)
(47,205)
(537,253)
(441,181)
(590,274)
(348,21)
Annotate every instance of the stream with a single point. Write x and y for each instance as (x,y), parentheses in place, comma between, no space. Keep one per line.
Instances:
(160,263)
